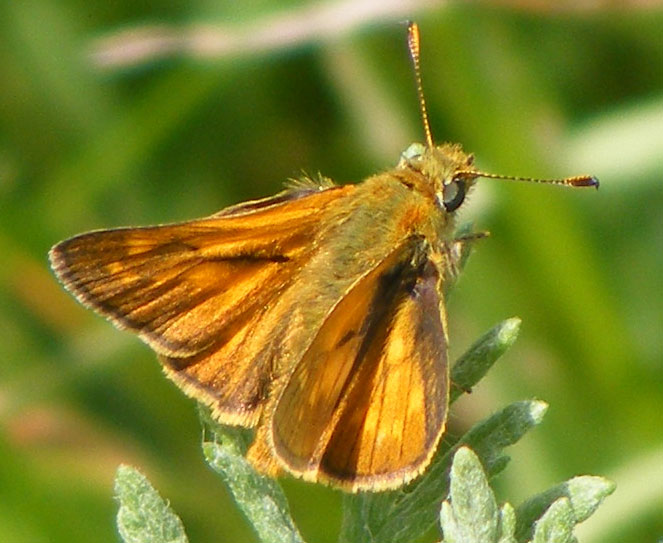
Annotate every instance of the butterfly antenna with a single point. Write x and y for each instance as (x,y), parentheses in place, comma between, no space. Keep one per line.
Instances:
(413,42)
(575,181)
(413,46)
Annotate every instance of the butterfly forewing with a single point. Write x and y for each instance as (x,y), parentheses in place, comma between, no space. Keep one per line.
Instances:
(200,293)
(366,405)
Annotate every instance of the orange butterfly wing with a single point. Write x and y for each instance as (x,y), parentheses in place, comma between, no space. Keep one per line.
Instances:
(203,293)
(366,405)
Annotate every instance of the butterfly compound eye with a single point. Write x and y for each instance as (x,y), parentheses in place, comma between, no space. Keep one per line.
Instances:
(453,194)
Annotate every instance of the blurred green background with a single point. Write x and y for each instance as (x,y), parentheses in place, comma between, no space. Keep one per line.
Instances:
(128,113)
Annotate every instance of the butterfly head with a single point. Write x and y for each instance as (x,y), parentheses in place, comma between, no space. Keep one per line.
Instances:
(446,168)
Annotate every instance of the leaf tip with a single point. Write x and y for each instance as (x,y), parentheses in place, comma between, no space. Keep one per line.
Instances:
(537,410)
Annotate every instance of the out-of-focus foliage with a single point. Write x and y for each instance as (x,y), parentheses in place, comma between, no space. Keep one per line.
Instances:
(537,93)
